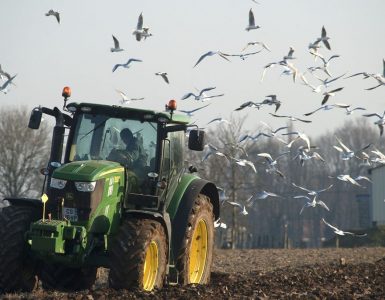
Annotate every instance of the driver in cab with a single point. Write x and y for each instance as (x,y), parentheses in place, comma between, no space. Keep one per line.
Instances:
(131,154)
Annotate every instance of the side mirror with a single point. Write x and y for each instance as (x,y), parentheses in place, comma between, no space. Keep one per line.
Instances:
(35,118)
(196,140)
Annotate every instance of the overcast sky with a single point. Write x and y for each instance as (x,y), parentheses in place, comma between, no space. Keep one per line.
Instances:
(48,56)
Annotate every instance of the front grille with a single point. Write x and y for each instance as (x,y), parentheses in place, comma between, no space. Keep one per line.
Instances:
(84,202)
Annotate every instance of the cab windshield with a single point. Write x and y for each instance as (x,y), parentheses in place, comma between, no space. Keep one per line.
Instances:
(96,136)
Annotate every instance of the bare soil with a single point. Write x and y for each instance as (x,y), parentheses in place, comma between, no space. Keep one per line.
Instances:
(357,273)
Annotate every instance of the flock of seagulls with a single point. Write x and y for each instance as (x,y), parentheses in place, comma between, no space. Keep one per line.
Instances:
(305,150)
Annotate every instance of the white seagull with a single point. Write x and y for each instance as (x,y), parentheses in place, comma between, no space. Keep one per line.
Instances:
(190,113)
(56,14)
(347,153)
(242,207)
(380,122)
(3,87)
(163,75)
(4,74)
(251,25)
(199,96)
(301,136)
(340,232)
(263,45)
(272,100)
(211,53)
(328,107)
(213,150)
(245,162)
(311,203)
(125,99)
(312,192)
(291,118)
(126,65)
(329,94)
(218,120)
(272,163)
(262,195)
(324,38)
(116,47)
(140,31)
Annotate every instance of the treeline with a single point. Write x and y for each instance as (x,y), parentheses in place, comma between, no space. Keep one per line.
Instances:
(23,152)
(275,221)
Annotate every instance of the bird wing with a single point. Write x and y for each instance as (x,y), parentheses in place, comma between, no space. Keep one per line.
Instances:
(223,55)
(362,178)
(116,42)
(321,203)
(202,57)
(336,90)
(302,188)
(374,87)
(133,60)
(164,76)
(116,66)
(279,129)
(206,90)
(194,110)
(331,226)
(139,25)
(187,96)
(123,95)
(5,84)
(251,18)
(325,99)
(57,16)
(266,155)
(302,120)
(372,115)
(278,116)
(329,187)
(249,163)
(341,105)
(323,32)
(335,78)
(213,120)
(343,145)
(310,113)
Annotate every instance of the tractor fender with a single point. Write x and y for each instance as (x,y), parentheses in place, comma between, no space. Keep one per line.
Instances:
(179,222)
(162,219)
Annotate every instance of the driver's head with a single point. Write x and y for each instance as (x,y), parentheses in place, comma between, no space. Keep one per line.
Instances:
(127,136)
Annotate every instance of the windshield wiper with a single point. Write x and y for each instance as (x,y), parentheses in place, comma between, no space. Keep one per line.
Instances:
(96,127)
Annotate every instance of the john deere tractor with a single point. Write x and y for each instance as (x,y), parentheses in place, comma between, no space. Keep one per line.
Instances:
(149,222)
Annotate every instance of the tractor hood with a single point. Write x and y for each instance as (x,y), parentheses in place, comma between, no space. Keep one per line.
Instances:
(87,170)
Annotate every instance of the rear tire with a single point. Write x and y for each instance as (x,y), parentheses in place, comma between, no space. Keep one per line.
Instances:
(58,277)
(17,268)
(196,255)
(138,255)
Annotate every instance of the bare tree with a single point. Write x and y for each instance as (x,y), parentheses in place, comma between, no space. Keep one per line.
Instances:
(23,152)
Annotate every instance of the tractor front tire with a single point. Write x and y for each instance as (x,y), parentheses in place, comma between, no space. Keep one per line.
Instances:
(194,259)
(138,255)
(58,277)
(17,268)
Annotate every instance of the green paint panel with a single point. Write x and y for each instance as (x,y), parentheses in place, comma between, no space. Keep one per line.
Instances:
(179,192)
(88,170)
(50,236)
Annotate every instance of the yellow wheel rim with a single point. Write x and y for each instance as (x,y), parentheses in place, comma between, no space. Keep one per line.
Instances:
(150,267)
(198,252)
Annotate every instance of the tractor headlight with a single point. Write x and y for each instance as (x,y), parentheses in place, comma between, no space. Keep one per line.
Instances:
(58,183)
(85,186)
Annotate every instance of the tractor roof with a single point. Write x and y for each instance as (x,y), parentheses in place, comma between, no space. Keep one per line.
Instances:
(128,112)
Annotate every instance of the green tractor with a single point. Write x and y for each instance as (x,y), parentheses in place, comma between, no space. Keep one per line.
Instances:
(147,217)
